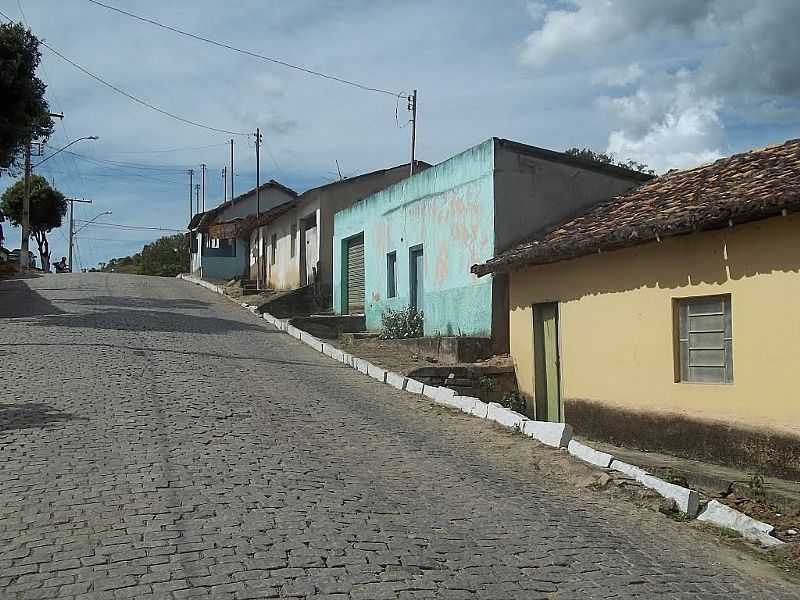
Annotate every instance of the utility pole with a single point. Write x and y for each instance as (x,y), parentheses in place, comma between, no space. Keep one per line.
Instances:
(24,257)
(197,198)
(191,177)
(258,205)
(72,227)
(203,171)
(224,184)
(231,168)
(412,106)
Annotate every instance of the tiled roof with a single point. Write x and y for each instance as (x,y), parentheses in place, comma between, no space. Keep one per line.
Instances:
(741,188)
(208,217)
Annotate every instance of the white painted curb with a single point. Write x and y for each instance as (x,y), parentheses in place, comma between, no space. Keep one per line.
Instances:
(627,469)
(720,515)
(505,416)
(413,386)
(557,435)
(590,455)
(395,380)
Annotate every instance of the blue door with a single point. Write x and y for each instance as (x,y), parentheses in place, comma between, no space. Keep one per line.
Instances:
(417,278)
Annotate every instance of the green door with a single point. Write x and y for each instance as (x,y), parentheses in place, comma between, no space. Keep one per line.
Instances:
(547,376)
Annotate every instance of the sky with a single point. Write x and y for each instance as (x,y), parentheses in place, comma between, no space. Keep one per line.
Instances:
(670,83)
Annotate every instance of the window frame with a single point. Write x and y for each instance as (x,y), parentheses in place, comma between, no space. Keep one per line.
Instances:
(274,244)
(391,274)
(685,347)
(292,241)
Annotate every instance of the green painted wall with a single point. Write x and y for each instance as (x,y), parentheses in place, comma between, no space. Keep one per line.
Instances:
(449,210)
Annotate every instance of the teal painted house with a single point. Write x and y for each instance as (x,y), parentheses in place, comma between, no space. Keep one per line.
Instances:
(414,242)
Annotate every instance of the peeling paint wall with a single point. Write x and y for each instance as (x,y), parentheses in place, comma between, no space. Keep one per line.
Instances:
(448,209)
(462,211)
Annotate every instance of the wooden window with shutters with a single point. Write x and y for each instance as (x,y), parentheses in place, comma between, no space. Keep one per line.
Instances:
(705,340)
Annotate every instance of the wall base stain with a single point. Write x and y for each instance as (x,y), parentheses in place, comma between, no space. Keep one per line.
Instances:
(764,452)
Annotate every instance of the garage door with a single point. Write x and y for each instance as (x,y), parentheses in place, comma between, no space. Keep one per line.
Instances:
(355,275)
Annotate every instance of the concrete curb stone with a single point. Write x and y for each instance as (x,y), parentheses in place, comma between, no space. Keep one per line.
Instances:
(413,386)
(376,372)
(557,435)
(505,416)
(395,380)
(724,516)
(479,409)
(628,469)
(590,455)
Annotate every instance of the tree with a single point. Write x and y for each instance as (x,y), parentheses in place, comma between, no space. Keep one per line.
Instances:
(166,257)
(24,113)
(608,159)
(48,207)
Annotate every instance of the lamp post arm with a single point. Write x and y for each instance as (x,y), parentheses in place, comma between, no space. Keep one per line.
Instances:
(91,137)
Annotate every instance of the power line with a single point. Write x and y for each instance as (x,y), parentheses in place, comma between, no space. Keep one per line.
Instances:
(131,96)
(248,52)
(161,151)
(133,227)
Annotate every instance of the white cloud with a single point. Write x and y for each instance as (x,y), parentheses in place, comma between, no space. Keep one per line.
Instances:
(588,27)
(618,76)
(697,63)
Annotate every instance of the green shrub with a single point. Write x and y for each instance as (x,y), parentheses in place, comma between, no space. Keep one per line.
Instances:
(401,324)
(513,400)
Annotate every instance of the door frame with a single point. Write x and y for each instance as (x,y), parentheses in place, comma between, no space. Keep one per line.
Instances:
(345,266)
(413,252)
(541,403)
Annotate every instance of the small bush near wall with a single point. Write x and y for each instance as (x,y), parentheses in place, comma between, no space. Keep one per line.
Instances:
(401,324)
(514,401)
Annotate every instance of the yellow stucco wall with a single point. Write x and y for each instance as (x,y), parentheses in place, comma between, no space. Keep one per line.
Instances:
(616,324)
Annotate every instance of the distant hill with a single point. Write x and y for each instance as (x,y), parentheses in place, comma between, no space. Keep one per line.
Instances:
(166,257)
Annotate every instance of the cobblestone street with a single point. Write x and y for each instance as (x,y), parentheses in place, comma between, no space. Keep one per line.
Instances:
(157,441)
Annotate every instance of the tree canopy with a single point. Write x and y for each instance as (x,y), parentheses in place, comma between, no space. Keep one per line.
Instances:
(608,159)
(24,112)
(48,205)
(166,257)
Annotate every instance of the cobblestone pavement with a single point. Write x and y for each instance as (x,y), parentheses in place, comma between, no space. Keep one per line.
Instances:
(156,441)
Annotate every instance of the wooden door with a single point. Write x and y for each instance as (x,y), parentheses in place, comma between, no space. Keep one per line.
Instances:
(547,373)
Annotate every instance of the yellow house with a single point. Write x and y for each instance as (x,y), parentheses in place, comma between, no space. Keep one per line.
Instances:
(668,318)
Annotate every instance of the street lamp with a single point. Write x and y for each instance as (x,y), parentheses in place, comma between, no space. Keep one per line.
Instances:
(26,201)
(73,233)
(88,137)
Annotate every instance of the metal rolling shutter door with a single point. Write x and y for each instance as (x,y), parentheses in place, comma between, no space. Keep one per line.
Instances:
(355,275)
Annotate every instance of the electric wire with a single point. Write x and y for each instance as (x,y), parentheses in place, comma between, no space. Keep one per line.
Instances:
(247,52)
(130,227)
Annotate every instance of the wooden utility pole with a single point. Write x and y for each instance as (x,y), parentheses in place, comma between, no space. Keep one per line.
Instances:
(224,184)
(197,198)
(412,106)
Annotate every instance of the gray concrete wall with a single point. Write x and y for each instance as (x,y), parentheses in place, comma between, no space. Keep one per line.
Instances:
(532,192)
